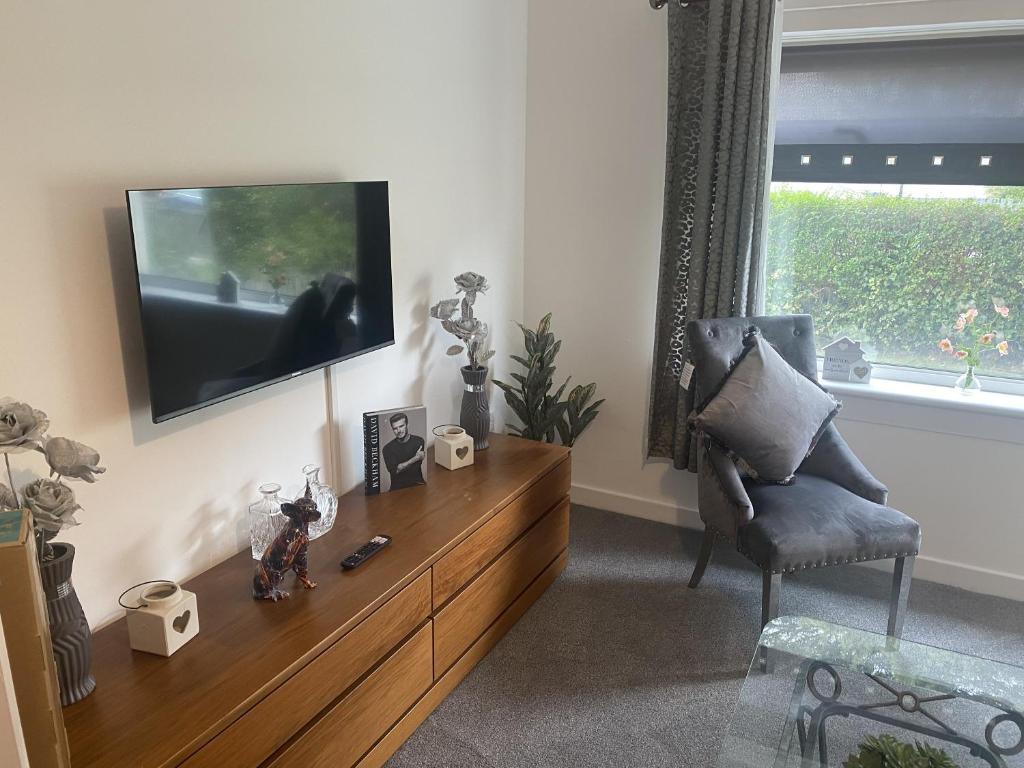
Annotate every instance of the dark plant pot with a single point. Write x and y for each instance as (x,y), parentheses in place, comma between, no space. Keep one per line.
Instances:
(475,416)
(69,631)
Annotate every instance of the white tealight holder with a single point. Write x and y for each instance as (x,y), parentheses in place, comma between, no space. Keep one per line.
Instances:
(453,448)
(165,619)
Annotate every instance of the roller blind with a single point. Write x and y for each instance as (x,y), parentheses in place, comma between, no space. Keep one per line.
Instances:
(937,111)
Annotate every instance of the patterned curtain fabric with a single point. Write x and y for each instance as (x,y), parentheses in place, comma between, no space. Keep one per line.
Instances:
(720,68)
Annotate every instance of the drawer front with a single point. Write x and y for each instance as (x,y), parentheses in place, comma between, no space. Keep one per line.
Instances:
(464,619)
(269,724)
(347,731)
(458,567)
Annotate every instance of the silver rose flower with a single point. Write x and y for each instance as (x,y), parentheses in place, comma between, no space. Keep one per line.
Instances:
(444,309)
(7,498)
(471,282)
(52,504)
(72,459)
(21,426)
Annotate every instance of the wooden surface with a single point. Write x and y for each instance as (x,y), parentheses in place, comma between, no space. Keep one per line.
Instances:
(404,728)
(464,619)
(454,570)
(152,711)
(267,726)
(350,728)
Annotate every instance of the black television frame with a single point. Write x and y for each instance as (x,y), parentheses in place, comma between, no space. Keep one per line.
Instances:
(279,379)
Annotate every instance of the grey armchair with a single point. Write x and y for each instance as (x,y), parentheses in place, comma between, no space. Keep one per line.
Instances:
(834,512)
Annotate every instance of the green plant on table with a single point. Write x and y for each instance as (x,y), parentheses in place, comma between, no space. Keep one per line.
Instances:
(887,752)
(545,415)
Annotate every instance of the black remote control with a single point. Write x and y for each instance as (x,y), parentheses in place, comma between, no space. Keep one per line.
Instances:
(365,552)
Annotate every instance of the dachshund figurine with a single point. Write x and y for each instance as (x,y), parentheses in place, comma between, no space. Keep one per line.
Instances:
(289,549)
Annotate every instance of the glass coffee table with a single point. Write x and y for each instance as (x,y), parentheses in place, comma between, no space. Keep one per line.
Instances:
(826,689)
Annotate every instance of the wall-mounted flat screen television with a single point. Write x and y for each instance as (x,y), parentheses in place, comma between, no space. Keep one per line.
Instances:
(241,287)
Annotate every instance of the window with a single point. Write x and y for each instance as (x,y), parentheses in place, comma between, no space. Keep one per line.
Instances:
(897,200)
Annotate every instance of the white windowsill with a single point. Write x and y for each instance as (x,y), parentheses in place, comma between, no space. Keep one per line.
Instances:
(932,408)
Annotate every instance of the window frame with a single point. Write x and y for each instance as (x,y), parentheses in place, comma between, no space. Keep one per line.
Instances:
(885,371)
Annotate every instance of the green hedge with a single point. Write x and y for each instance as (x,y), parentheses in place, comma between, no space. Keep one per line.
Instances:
(894,271)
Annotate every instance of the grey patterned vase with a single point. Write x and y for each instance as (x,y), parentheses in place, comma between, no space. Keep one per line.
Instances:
(69,630)
(475,416)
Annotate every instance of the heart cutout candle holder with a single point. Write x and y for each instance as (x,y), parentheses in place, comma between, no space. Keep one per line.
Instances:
(162,618)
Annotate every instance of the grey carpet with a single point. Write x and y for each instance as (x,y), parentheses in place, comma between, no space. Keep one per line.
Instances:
(619,664)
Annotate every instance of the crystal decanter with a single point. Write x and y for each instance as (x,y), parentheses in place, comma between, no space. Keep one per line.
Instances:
(326,502)
(265,519)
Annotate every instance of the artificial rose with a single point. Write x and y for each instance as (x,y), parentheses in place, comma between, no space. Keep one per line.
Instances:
(960,323)
(444,309)
(52,504)
(1003,347)
(970,315)
(471,282)
(987,338)
(961,354)
(21,426)
(1003,310)
(946,345)
(71,459)
(7,499)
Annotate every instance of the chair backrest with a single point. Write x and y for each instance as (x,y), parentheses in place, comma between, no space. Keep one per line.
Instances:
(716,344)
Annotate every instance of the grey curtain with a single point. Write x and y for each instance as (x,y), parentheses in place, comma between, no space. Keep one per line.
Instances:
(720,64)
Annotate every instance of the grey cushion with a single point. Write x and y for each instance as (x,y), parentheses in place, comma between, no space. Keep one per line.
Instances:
(814,522)
(716,343)
(765,413)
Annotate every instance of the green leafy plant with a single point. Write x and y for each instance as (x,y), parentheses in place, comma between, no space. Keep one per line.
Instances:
(893,270)
(545,415)
(887,752)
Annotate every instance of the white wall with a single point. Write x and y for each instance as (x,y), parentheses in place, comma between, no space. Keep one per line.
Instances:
(595,170)
(109,95)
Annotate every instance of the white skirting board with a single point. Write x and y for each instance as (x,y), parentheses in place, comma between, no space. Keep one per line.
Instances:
(962,575)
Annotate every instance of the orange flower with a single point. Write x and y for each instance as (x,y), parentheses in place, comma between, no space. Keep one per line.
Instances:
(970,314)
(960,323)
(987,338)
(961,354)
(1001,309)
(1003,347)
(946,345)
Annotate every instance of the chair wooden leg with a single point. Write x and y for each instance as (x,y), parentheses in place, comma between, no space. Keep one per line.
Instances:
(706,545)
(771,590)
(902,573)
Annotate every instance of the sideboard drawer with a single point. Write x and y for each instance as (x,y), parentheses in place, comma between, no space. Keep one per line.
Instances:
(458,567)
(254,737)
(464,619)
(347,731)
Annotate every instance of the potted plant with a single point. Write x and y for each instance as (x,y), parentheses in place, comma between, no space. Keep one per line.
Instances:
(888,752)
(52,505)
(970,338)
(543,414)
(456,316)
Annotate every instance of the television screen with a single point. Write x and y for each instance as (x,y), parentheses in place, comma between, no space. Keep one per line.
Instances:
(240,287)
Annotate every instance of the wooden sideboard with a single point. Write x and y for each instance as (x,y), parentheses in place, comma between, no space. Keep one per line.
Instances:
(341,675)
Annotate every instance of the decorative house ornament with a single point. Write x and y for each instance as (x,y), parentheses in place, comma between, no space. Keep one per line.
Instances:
(453,448)
(840,358)
(162,617)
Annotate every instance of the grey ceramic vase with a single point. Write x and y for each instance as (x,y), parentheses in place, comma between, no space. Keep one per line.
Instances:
(69,630)
(475,416)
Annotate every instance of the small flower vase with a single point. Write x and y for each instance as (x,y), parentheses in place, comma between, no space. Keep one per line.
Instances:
(968,384)
(69,630)
(326,502)
(265,519)
(475,416)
